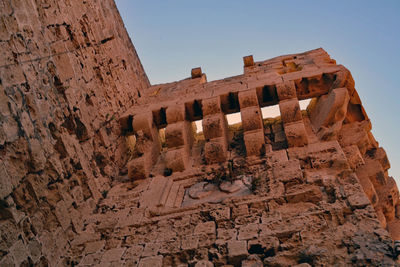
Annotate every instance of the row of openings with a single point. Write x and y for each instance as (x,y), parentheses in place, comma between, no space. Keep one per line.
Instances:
(267,112)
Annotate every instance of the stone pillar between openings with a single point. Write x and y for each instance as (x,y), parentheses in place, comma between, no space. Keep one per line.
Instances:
(291,114)
(178,137)
(252,123)
(215,130)
(147,146)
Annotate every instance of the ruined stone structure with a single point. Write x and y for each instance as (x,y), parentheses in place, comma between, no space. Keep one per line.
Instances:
(100,168)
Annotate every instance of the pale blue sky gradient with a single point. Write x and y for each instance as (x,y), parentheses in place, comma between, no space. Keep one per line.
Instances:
(171,37)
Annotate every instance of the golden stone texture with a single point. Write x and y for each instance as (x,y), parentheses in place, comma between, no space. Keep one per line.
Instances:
(99,167)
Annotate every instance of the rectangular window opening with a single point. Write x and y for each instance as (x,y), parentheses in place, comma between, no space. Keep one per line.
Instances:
(234,120)
(270,112)
(161,135)
(273,127)
(304,106)
(131,144)
(198,131)
(235,128)
(304,103)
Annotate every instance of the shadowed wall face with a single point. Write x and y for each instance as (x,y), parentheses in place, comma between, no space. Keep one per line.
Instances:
(67,70)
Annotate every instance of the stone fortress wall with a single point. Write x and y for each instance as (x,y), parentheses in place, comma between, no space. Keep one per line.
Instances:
(68,70)
(309,187)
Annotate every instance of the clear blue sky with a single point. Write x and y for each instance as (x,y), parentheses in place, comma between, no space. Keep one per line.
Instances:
(172,37)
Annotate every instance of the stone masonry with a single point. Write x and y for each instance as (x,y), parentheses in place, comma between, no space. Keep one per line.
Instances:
(100,168)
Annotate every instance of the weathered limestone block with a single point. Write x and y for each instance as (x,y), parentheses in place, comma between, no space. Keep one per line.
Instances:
(248,61)
(368,188)
(157,193)
(139,168)
(287,171)
(144,122)
(114,254)
(251,118)
(252,261)
(249,231)
(237,251)
(215,126)
(94,246)
(304,193)
(357,199)
(379,154)
(179,134)
(290,110)
(211,105)
(286,90)
(19,252)
(196,73)
(372,169)
(204,263)
(207,228)
(226,234)
(151,249)
(177,159)
(355,134)
(248,99)
(133,252)
(388,199)
(296,134)
(327,155)
(154,261)
(215,150)
(394,229)
(190,242)
(254,142)
(175,113)
(221,214)
(328,113)
(353,156)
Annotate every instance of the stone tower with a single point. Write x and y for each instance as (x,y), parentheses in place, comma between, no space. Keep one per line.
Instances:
(99,167)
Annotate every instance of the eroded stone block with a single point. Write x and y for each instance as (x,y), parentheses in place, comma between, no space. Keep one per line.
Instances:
(215,150)
(139,168)
(144,122)
(237,251)
(254,142)
(248,61)
(287,171)
(353,156)
(211,105)
(251,119)
(196,73)
(373,170)
(177,159)
(205,228)
(296,134)
(248,99)
(179,134)
(330,108)
(157,192)
(286,90)
(304,193)
(215,126)
(290,110)
(154,261)
(176,113)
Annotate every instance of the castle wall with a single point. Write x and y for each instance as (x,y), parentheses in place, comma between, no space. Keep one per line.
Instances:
(68,69)
(310,187)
